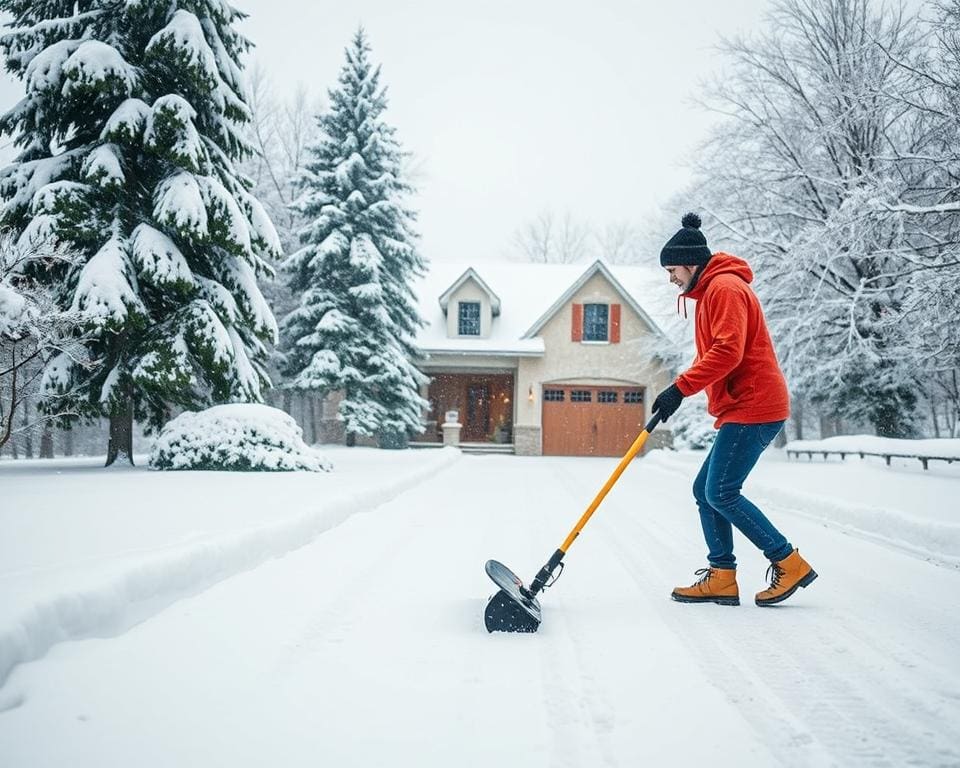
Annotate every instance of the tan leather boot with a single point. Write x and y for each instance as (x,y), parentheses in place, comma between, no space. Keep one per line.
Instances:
(785,576)
(716,585)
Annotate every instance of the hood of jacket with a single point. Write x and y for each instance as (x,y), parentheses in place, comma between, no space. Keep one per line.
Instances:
(720,264)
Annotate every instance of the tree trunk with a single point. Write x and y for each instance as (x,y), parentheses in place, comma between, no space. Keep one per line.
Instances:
(936,422)
(824,426)
(68,442)
(46,441)
(798,417)
(313,420)
(27,433)
(302,419)
(121,435)
(287,406)
(351,439)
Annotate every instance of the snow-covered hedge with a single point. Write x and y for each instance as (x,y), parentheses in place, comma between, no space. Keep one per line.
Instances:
(241,437)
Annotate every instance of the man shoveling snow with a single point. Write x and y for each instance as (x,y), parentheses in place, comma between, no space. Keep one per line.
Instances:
(747,394)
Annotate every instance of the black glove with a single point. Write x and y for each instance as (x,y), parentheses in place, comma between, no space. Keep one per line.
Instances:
(667,402)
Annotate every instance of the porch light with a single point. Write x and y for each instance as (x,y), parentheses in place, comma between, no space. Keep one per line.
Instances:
(530,393)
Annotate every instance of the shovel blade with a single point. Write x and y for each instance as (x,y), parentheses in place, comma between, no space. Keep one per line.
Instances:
(509,610)
(505,614)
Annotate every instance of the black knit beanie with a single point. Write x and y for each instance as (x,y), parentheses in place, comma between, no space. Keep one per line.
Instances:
(687,248)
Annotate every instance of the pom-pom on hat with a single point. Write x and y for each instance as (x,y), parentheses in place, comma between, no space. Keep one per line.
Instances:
(688,247)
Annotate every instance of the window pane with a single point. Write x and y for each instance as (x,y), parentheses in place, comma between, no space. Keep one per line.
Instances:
(581,396)
(633,397)
(553,395)
(469,318)
(595,322)
(606,397)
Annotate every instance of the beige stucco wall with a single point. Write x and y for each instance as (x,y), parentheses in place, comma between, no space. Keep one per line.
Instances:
(588,362)
(469,291)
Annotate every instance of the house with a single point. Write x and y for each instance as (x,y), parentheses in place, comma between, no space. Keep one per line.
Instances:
(553,359)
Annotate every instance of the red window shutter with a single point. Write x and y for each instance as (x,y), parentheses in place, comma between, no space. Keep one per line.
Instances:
(614,323)
(576,332)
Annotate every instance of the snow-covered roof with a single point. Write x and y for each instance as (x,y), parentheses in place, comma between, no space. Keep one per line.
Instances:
(529,295)
(470,274)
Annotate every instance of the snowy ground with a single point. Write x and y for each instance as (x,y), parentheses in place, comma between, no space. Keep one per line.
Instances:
(336,619)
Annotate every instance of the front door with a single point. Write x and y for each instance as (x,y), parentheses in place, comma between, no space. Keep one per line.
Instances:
(476,427)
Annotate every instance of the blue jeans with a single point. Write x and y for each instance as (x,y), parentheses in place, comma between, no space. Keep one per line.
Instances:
(717,491)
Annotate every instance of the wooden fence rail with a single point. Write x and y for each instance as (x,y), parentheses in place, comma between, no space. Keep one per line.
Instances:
(843,455)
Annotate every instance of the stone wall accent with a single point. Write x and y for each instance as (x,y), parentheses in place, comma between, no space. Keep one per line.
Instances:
(526,441)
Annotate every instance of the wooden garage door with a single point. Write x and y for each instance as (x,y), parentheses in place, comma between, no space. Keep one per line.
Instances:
(591,421)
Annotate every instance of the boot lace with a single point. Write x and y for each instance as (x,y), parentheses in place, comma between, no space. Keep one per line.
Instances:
(775,573)
(704,574)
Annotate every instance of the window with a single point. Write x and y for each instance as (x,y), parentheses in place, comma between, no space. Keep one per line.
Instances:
(633,397)
(469,318)
(581,396)
(606,397)
(553,395)
(595,322)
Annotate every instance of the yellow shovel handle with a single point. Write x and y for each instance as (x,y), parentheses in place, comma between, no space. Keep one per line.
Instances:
(628,457)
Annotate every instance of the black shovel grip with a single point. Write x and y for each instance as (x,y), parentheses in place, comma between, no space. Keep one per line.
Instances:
(652,424)
(541,579)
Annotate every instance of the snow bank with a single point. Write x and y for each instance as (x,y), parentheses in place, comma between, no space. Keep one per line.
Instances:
(242,436)
(929,539)
(947,448)
(910,511)
(107,598)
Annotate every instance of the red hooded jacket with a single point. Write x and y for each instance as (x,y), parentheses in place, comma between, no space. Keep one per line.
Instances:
(735,362)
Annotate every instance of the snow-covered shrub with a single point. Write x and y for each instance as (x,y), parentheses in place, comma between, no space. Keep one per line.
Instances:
(240,437)
(692,426)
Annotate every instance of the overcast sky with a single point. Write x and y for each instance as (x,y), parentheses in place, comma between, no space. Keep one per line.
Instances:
(517,107)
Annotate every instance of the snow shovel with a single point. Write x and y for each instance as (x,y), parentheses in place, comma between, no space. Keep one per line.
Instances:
(515,608)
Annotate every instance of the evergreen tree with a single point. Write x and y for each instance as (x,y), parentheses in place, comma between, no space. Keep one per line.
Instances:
(128,136)
(353,329)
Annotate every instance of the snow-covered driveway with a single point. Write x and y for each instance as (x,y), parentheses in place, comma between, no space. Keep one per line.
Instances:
(367,647)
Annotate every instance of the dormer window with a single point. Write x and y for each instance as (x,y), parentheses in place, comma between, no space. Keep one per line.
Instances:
(596,322)
(468,318)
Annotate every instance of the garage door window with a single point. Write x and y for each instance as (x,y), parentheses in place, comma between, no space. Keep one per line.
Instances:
(633,397)
(553,395)
(595,322)
(581,396)
(606,397)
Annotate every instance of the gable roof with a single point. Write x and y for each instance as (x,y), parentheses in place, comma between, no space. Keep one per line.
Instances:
(595,268)
(470,274)
(529,295)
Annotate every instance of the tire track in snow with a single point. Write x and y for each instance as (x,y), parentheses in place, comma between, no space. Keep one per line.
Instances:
(599,711)
(561,704)
(335,617)
(403,550)
(728,670)
(848,719)
(573,701)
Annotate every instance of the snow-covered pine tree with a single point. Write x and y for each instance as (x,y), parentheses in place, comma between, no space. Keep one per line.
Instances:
(128,135)
(354,327)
